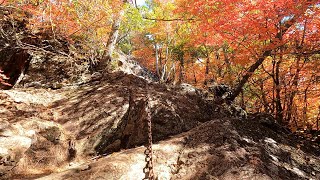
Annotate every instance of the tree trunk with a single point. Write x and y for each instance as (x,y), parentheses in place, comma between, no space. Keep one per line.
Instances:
(305,107)
(279,108)
(242,104)
(273,85)
(294,90)
(283,29)
(157,60)
(248,74)
(113,36)
(194,74)
(318,118)
(206,75)
(264,98)
(182,73)
(171,74)
(228,63)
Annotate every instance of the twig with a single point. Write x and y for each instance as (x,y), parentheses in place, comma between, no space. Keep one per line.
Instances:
(33,47)
(162,19)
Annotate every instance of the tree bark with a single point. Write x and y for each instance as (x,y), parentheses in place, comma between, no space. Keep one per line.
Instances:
(318,118)
(182,72)
(305,107)
(264,98)
(113,36)
(194,73)
(206,75)
(228,65)
(283,29)
(279,108)
(248,74)
(294,90)
(157,59)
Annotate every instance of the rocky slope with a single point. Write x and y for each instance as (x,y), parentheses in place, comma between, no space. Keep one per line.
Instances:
(62,132)
(45,129)
(64,120)
(219,149)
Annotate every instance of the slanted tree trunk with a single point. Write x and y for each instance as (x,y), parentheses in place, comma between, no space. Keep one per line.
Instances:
(282,30)
(248,74)
(113,36)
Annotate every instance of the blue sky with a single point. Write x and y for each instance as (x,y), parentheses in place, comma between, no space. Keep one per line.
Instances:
(140,2)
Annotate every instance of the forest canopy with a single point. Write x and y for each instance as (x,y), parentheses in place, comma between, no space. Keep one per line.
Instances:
(267,51)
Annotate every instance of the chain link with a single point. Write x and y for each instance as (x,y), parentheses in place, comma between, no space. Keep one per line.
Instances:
(148,169)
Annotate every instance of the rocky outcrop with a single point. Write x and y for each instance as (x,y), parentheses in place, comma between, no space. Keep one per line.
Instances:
(40,58)
(219,149)
(31,143)
(64,120)
(110,116)
(40,54)
(28,136)
(130,65)
(97,118)
(14,60)
(57,130)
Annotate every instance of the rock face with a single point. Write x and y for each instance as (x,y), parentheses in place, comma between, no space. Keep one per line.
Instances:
(14,142)
(28,136)
(56,130)
(130,65)
(57,125)
(41,59)
(13,65)
(14,59)
(218,149)
(100,117)
(111,114)
(24,52)
(30,143)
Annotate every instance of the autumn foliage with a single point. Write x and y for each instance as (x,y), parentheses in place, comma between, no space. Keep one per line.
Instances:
(268,51)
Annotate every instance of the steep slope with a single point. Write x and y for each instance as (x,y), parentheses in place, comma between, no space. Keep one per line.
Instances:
(51,128)
(219,149)
(46,131)
(67,120)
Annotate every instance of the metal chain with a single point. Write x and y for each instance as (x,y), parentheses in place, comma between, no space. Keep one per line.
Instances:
(148,169)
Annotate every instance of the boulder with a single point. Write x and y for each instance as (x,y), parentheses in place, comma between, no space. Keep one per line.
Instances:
(218,149)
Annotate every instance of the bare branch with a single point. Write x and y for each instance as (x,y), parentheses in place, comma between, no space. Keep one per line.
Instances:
(163,19)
